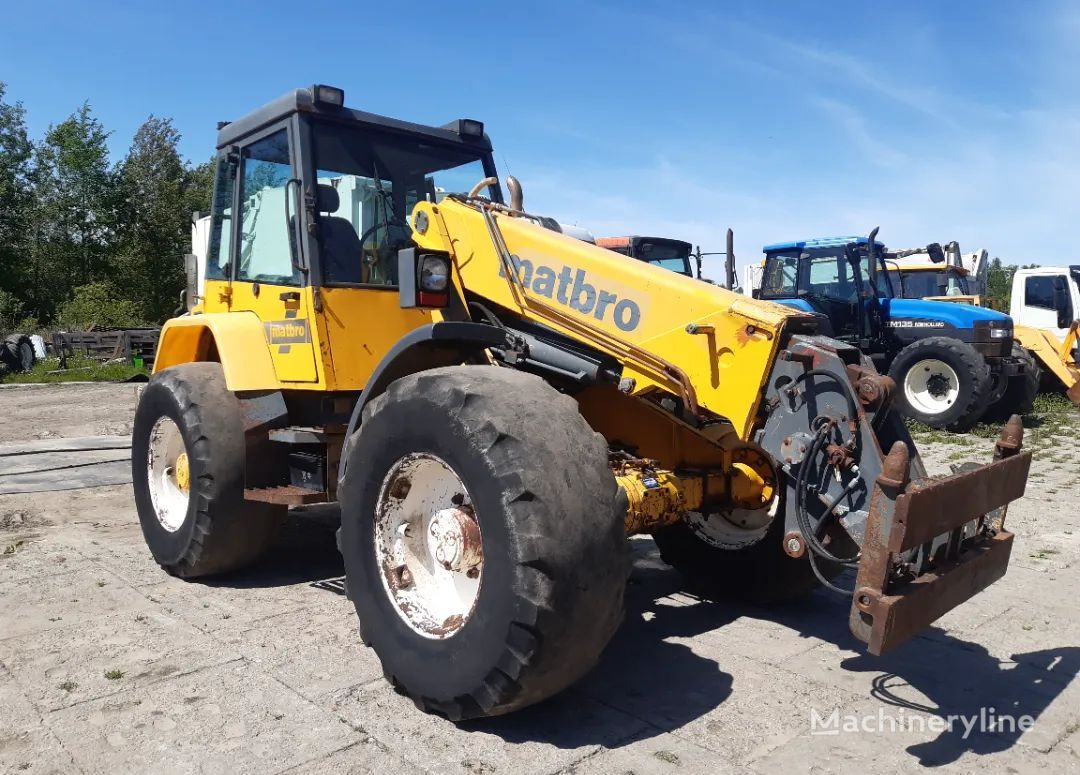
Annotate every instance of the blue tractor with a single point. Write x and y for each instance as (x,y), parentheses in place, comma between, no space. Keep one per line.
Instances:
(951,362)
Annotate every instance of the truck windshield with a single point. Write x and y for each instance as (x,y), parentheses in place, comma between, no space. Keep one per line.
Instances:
(378,177)
(921,284)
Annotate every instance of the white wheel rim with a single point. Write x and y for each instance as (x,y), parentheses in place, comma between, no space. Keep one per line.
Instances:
(168,474)
(428,546)
(931,386)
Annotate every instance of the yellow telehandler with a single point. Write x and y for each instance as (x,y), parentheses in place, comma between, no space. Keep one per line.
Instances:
(497,406)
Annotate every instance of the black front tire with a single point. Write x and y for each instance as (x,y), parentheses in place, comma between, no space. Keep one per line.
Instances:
(221,531)
(972,374)
(551,518)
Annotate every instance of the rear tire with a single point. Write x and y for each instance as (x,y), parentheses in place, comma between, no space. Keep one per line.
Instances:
(941,382)
(549,515)
(760,573)
(193,513)
(1019,395)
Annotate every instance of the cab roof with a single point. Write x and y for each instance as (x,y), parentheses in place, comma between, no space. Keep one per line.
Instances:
(303,101)
(821,242)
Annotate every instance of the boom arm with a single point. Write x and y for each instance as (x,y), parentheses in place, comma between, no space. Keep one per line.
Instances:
(718,346)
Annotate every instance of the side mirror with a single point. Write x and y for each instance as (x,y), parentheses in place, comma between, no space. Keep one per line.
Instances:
(1061,302)
(937,255)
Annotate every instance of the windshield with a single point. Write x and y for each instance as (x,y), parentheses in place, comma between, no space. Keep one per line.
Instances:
(921,284)
(378,177)
(674,256)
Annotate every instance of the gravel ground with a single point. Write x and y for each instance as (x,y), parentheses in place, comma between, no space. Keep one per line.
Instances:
(109,665)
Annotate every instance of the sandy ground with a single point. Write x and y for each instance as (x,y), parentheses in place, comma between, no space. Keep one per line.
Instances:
(263,672)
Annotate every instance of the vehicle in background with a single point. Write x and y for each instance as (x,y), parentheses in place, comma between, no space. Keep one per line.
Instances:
(1044,305)
(673,254)
(951,362)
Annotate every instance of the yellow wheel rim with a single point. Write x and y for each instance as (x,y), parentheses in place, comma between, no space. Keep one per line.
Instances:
(183,473)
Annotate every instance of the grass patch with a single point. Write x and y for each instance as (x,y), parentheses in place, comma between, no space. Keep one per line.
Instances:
(114,675)
(1052,415)
(80,369)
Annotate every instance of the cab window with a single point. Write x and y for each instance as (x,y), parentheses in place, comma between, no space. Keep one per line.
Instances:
(220,242)
(1039,292)
(781,276)
(266,250)
(829,277)
(369,181)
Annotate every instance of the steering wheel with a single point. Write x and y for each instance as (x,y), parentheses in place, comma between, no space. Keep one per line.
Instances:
(380,260)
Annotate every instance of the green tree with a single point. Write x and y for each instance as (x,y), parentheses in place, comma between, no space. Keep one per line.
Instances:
(16,199)
(160,194)
(999,283)
(156,220)
(74,223)
(98,305)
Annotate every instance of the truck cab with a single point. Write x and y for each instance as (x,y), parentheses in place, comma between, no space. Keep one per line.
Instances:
(1046,297)
(671,254)
(941,355)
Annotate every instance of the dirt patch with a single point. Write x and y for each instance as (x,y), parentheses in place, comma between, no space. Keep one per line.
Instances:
(21,521)
(50,411)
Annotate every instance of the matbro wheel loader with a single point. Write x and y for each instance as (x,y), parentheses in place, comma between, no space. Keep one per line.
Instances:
(497,406)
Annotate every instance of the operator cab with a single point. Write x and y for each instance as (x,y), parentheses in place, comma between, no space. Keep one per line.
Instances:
(311,205)
(831,277)
(670,254)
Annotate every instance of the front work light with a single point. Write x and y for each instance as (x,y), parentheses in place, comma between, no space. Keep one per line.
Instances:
(328,95)
(423,279)
(434,273)
(466,127)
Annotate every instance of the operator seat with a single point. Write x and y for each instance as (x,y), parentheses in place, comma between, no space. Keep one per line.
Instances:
(339,245)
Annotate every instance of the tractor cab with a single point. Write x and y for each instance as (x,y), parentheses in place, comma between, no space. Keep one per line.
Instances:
(840,278)
(311,205)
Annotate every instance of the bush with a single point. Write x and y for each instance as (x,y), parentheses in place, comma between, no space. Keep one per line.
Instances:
(99,305)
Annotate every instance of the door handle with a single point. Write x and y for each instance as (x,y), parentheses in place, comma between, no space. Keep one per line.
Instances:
(289,295)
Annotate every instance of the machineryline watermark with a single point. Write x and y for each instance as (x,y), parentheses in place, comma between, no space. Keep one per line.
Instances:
(888,721)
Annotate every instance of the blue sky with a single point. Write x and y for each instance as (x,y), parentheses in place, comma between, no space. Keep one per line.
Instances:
(934,121)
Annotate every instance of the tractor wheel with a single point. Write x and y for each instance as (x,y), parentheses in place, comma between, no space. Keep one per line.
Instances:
(24,352)
(1020,393)
(18,353)
(722,560)
(187,466)
(942,382)
(483,539)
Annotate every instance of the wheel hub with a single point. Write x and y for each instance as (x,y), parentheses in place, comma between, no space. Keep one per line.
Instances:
(455,540)
(182,473)
(938,385)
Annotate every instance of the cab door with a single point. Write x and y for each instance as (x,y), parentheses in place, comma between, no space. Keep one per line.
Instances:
(269,276)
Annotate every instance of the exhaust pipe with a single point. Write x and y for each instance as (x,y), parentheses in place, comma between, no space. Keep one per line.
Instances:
(871,268)
(517,196)
(729,259)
